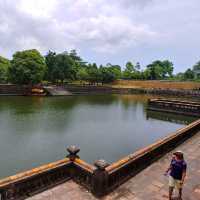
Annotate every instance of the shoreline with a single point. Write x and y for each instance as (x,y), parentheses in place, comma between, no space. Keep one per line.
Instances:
(70,90)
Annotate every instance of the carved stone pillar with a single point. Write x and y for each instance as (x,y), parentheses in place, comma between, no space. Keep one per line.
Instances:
(73,150)
(100,178)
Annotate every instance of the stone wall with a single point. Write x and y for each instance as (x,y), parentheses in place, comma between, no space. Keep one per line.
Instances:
(10,89)
(74,89)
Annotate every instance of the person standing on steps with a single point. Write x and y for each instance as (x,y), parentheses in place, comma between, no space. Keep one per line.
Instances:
(177,173)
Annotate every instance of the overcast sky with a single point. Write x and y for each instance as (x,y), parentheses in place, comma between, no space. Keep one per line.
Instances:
(104,31)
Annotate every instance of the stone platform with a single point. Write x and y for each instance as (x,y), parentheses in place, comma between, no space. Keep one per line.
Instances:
(150,184)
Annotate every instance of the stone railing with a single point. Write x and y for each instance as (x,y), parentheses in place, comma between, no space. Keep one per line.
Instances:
(129,166)
(175,106)
(100,178)
(36,180)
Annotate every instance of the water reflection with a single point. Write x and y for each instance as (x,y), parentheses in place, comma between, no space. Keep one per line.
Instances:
(37,130)
(175,118)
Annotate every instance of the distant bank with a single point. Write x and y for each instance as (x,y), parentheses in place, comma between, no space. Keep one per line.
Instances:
(190,89)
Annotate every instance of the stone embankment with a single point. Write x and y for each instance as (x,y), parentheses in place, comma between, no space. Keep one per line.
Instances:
(74,89)
(66,90)
(12,90)
(112,89)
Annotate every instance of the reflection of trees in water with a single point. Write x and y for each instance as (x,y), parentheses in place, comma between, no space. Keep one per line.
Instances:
(175,118)
(21,105)
(46,114)
(26,105)
(132,100)
(34,114)
(98,99)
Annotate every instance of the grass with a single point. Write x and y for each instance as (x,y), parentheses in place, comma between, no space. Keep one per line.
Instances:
(156,84)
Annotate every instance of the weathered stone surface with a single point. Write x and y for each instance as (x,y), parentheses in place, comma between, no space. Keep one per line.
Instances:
(150,184)
(73,149)
(101,164)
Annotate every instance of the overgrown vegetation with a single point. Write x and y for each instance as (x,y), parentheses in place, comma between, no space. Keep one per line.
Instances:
(30,67)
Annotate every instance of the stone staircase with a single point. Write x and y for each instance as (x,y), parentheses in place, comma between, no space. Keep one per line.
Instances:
(57,91)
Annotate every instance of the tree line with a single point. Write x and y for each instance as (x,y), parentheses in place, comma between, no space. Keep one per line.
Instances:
(30,67)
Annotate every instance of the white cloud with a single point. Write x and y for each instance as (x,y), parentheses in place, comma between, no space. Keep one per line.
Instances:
(47,24)
(37,8)
(106,34)
(101,26)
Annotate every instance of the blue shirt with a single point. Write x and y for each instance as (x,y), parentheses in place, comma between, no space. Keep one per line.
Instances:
(177,169)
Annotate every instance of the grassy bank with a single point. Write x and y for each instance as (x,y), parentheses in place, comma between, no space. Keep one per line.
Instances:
(156,84)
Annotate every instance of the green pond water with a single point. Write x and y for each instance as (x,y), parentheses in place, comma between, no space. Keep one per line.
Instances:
(37,130)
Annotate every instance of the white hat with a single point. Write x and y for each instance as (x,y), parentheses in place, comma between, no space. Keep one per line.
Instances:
(179,152)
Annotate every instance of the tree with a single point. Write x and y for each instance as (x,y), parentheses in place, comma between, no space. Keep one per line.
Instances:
(189,74)
(63,68)
(196,70)
(115,70)
(4,66)
(129,70)
(73,54)
(50,60)
(107,76)
(82,74)
(155,71)
(160,69)
(196,67)
(179,76)
(167,68)
(137,66)
(27,67)
(93,73)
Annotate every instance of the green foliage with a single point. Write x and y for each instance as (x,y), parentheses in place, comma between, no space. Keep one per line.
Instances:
(27,67)
(60,67)
(196,67)
(106,74)
(64,67)
(160,69)
(129,70)
(4,66)
(188,75)
(82,74)
(93,73)
(50,60)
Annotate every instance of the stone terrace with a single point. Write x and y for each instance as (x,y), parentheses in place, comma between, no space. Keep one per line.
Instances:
(150,184)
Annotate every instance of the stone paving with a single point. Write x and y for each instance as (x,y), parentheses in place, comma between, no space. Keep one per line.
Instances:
(150,184)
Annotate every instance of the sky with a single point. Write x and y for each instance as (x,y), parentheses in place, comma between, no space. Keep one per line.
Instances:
(104,31)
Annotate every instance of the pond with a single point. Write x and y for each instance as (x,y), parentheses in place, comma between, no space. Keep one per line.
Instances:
(37,130)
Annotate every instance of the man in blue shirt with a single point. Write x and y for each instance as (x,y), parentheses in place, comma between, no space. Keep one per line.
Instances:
(177,173)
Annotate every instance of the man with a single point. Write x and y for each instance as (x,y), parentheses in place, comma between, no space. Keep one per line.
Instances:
(177,173)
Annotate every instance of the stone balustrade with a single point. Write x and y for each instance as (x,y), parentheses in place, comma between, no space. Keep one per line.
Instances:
(100,178)
(175,106)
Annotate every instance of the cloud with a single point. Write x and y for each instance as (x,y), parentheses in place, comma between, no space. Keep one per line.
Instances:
(106,34)
(151,29)
(134,3)
(67,24)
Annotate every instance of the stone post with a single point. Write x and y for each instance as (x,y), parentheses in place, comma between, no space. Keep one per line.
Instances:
(73,150)
(100,178)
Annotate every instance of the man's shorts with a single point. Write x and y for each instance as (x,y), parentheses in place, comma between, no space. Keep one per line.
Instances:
(174,183)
